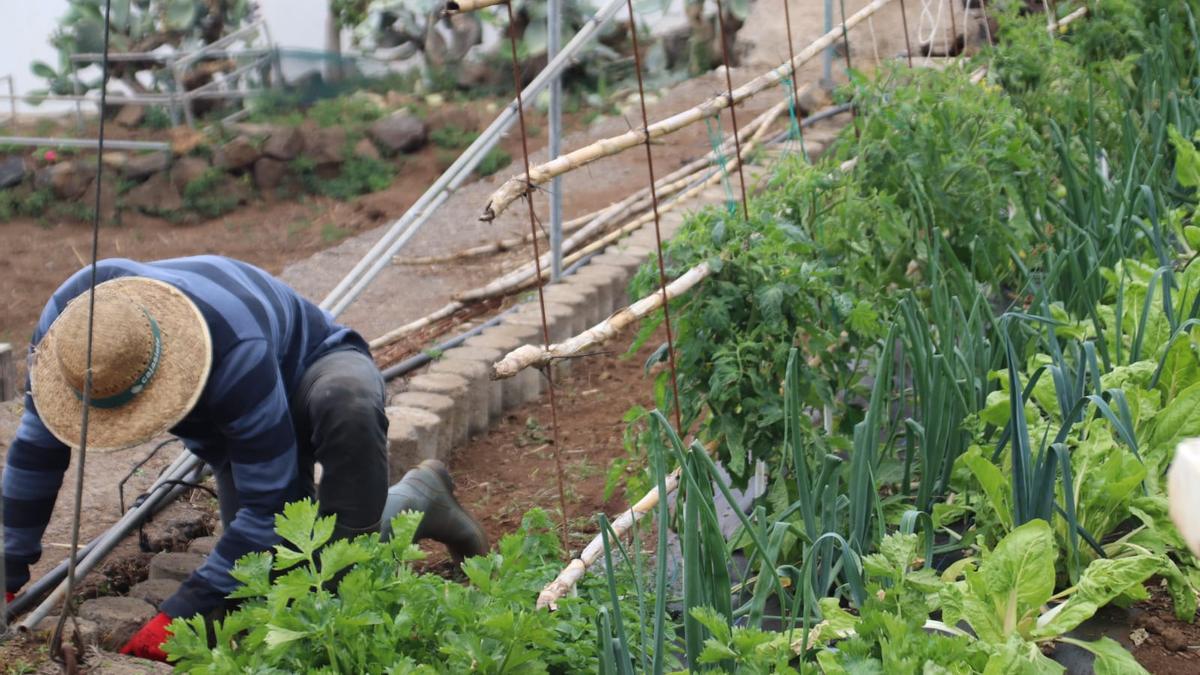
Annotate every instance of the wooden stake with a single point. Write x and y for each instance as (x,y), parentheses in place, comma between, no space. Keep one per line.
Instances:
(531,356)
(518,186)
(463,6)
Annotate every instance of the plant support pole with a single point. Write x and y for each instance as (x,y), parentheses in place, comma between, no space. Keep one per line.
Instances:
(400,231)
(554,37)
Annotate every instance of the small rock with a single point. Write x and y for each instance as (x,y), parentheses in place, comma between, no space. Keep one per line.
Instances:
(365,148)
(236,154)
(118,619)
(399,132)
(171,532)
(1138,636)
(284,143)
(177,566)
(68,180)
(185,139)
(186,170)
(12,171)
(131,116)
(80,632)
(116,664)
(395,99)
(156,196)
(269,173)
(1174,639)
(325,146)
(203,545)
(154,591)
(115,160)
(140,166)
(108,197)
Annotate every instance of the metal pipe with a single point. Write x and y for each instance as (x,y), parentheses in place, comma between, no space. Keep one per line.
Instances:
(827,57)
(554,37)
(186,463)
(400,231)
(89,143)
(12,101)
(163,57)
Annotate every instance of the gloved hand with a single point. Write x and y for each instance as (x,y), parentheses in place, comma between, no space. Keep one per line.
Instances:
(148,642)
(9,596)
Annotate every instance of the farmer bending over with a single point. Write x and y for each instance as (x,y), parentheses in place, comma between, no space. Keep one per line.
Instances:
(256,381)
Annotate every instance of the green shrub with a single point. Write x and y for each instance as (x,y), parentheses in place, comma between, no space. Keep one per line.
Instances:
(205,196)
(346,111)
(157,118)
(493,161)
(452,136)
(358,176)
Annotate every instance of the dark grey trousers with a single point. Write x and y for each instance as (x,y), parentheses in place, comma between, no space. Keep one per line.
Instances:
(337,412)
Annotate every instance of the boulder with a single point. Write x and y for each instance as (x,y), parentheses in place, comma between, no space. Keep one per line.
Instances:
(185,139)
(269,173)
(108,197)
(156,196)
(399,132)
(12,171)
(236,154)
(186,170)
(176,566)
(284,143)
(154,591)
(116,160)
(117,618)
(325,146)
(68,180)
(203,545)
(141,166)
(175,528)
(130,116)
(365,148)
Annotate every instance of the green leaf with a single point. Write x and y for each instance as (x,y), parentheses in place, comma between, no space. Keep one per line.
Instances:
(1187,159)
(1111,657)
(1013,581)
(179,15)
(1102,581)
(277,636)
(1018,656)
(41,69)
(254,571)
(1179,419)
(995,484)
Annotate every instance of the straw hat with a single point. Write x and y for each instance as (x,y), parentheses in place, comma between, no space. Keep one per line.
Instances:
(151,354)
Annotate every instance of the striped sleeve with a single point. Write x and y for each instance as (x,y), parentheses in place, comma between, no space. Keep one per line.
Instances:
(33,474)
(249,404)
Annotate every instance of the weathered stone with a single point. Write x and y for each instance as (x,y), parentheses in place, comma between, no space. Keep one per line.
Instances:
(68,180)
(108,197)
(115,664)
(284,143)
(236,154)
(12,171)
(130,116)
(203,545)
(269,173)
(186,170)
(441,406)
(412,437)
(399,132)
(154,591)
(185,139)
(79,632)
(118,619)
(140,166)
(365,148)
(157,195)
(172,531)
(177,566)
(325,146)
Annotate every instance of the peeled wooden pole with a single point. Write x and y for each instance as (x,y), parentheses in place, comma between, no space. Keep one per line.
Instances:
(574,571)
(463,6)
(517,186)
(532,356)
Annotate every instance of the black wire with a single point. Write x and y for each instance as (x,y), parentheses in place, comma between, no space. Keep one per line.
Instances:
(147,458)
(68,610)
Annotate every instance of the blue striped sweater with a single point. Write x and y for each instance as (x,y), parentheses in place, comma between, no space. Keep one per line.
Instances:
(264,336)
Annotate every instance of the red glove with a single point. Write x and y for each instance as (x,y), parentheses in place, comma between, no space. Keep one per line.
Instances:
(9,596)
(148,642)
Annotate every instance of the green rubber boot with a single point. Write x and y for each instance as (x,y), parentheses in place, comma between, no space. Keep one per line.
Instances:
(430,490)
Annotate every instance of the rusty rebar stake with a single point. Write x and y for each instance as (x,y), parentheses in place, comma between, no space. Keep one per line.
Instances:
(537,262)
(796,113)
(907,42)
(737,142)
(662,267)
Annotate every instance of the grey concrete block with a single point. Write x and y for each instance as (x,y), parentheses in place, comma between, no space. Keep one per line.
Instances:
(561,294)
(412,437)
(454,387)
(118,619)
(441,407)
(154,591)
(478,389)
(593,297)
(627,265)
(505,338)
(177,566)
(608,280)
(495,388)
(557,320)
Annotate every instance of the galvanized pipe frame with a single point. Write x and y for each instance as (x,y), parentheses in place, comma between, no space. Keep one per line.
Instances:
(403,229)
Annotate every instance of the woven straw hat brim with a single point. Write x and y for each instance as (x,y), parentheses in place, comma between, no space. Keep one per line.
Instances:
(168,397)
